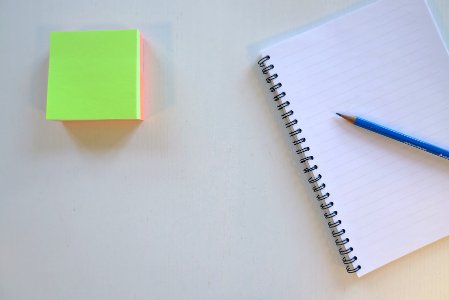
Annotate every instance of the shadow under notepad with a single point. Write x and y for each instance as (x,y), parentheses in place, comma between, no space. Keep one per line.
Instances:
(38,84)
(101,135)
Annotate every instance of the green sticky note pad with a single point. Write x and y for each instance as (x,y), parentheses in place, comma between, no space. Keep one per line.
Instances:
(95,75)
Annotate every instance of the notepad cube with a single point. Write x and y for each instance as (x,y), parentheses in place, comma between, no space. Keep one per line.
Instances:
(95,75)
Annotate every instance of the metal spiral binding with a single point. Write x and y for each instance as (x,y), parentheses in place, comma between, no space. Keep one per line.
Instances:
(309,167)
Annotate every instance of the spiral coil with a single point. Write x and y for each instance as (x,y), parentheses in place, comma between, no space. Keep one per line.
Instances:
(289,121)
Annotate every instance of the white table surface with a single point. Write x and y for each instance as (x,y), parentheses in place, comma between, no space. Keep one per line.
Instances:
(202,200)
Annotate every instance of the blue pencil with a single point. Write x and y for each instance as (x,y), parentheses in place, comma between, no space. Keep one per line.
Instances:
(395,135)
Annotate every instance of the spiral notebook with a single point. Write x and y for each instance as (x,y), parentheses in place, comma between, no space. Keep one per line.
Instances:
(385,62)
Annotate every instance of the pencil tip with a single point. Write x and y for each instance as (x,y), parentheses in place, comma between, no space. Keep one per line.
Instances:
(347,118)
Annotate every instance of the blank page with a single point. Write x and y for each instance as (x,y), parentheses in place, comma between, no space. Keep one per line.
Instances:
(386,63)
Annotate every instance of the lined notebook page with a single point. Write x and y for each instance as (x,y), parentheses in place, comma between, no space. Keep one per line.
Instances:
(387,63)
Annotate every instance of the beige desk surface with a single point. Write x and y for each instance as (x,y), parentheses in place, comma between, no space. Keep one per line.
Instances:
(202,200)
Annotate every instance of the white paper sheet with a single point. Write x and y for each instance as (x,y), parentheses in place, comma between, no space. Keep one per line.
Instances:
(386,63)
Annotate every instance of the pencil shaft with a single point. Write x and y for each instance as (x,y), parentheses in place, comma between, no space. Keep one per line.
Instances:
(398,136)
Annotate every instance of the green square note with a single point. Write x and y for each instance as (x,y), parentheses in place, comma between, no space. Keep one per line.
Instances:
(94,75)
